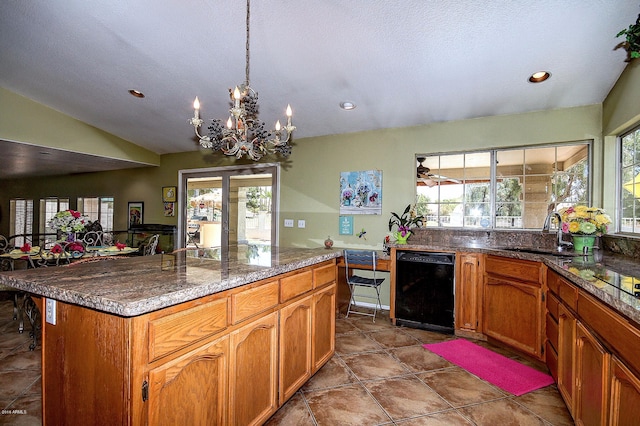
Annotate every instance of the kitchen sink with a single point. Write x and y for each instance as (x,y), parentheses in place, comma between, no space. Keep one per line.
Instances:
(533,250)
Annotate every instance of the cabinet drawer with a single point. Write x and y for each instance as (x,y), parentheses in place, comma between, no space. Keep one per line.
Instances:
(523,270)
(621,337)
(253,301)
(552,331)
(295,285)
(324,275)
(175,331)
(552,305)
(553,281)
(568,294)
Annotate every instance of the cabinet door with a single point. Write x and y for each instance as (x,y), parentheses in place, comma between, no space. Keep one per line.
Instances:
(592,379)
(625,395)
(191,389)
(512,313)
(324,327)
(253,378)
(295,346)
(468,287)
(566,346)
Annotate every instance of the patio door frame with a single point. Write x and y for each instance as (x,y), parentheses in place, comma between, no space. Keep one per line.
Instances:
(226,173)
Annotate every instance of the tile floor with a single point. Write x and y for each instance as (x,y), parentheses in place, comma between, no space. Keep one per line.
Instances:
(20,376)
(380,375)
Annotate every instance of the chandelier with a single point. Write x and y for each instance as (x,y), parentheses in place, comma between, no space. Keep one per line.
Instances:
(244,134)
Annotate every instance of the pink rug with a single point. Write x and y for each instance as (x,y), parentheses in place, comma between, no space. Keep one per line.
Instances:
(507,374)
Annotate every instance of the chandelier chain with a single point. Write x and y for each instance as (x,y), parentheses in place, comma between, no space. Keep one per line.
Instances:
(244,134)
(246,68)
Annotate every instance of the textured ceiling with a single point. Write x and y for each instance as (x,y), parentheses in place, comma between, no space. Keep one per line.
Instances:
(404,62)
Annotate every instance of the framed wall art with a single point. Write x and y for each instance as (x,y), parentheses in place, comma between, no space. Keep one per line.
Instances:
(361,192)
(169,194)
(169,208)
(136,213)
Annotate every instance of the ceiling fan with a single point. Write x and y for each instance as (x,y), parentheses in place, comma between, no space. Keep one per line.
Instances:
(426,178)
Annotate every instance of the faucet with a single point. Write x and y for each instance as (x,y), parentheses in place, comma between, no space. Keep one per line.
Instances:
(547,226)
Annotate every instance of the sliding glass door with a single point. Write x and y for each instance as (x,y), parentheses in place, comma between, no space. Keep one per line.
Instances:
(228,206)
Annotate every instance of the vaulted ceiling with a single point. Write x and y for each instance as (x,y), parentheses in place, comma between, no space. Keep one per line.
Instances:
(403,63)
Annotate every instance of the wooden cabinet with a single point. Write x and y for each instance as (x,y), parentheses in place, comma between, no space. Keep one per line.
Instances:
(566,346)
(231,358)
(84,368)
(468,292)
(553,331)
(324,326)
(307,337)
(295,346)
(625,395)
(592,379)
(513,309)
(253,377)
(191,389)
(599,388)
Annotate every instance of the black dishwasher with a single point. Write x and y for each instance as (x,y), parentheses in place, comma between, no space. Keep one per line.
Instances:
(425,290)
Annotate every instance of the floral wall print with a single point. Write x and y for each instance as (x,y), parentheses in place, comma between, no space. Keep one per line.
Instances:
(361,192)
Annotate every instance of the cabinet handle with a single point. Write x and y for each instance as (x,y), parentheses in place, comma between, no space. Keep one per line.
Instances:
(145,391)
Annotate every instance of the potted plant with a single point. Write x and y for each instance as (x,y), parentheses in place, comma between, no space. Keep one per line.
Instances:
(632,42)
(584,224)
(404,222)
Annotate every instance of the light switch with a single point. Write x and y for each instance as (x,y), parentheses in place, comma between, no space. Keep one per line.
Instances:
(288,223)
(301,223)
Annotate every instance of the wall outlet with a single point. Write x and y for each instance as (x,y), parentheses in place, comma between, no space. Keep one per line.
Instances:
(301,223)
(288,223)
(50,309)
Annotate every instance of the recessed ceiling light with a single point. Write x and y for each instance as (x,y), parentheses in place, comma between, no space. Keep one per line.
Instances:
(539,77)
(136,93)
(347,105)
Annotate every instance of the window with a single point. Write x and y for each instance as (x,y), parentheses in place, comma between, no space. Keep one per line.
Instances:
(48,208)
(98,208)
(630,182)
(21,219)
(511,188)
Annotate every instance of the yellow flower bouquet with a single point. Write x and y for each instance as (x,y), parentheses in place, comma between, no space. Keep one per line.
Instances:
(583,220)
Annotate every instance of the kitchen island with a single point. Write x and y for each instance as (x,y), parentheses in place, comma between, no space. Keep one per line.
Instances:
(195,337)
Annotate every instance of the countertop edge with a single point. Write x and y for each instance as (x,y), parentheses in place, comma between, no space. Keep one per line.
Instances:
(144,306)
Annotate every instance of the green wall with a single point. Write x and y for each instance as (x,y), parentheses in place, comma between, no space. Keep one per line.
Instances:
(621,113)
(26,121)
(310,187)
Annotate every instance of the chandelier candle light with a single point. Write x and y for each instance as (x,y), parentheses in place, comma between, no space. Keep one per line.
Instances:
(244,134)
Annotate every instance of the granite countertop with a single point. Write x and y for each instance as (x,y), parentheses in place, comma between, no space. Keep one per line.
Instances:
(137,285)
(611,280)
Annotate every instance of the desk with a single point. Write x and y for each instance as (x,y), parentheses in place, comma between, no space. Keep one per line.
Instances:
(342,298)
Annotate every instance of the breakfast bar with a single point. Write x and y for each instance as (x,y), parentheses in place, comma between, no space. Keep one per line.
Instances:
(194,337)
